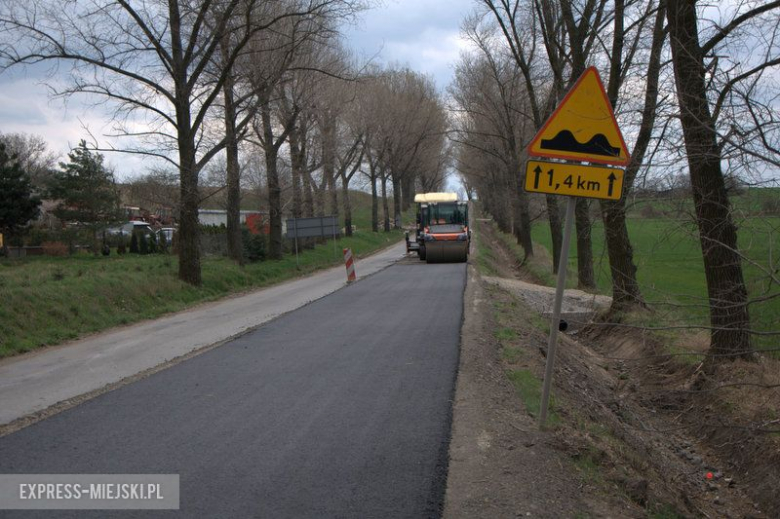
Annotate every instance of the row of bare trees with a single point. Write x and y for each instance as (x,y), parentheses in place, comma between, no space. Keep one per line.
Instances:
(255,84)
(677,73)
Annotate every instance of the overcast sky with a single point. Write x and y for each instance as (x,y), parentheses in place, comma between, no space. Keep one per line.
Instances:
(423,34)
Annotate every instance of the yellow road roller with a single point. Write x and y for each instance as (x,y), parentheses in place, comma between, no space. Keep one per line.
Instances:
(442,228)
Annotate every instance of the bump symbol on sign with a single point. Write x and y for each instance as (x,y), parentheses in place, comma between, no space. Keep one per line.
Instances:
(583,127)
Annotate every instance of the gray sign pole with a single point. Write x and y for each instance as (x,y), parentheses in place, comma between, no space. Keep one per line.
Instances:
(556,317)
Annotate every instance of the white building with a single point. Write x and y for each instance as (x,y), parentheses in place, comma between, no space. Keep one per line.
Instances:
(219,216)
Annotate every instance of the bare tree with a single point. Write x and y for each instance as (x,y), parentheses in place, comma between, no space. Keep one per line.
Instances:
(491,91)
(729,314)
(625,287)
(33,154)
(412,119)
(152,62)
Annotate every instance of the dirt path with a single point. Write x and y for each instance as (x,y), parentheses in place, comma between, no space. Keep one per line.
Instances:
(578,309)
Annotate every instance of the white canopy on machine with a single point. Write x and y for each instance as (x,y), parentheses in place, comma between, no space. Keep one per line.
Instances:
(435,197)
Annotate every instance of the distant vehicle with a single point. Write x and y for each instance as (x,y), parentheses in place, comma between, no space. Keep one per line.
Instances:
(124,232)
(166,233)
(442,232)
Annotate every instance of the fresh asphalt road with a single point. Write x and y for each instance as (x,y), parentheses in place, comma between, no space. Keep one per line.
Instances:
(339,409)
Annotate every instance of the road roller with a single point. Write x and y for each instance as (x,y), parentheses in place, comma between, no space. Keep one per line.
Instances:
(442,228)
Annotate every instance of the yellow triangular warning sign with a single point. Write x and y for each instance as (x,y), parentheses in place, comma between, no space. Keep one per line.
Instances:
(583,127)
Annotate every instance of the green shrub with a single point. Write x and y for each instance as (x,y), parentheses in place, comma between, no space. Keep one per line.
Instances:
(254,246)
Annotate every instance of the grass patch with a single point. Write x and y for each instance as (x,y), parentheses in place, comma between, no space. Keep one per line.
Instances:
(670,269)
(485,257)
(588,465)
(539,265)
(530,390)
(538,321)
(48,300)
(505,334)
(512,354)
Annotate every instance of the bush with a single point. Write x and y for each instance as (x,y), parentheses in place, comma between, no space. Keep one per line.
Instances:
(212,229)
(648,211)
(54,248)
(770,207)
(162,245)
(254,246)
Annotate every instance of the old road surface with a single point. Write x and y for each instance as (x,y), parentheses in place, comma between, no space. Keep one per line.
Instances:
(339,409)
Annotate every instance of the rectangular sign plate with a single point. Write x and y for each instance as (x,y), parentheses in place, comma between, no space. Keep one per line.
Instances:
(319,226)
(556,178)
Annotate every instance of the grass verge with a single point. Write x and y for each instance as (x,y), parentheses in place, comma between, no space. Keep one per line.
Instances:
(670,270)
(48,300)
(530,390)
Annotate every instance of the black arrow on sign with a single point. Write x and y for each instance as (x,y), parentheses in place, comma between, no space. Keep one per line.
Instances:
(538,172)
(612,179)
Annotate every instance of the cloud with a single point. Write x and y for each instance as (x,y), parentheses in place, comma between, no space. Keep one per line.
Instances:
(25,107)
(424,34)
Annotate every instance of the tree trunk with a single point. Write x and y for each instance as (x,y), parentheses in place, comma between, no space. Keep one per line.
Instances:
(522,214)
(329,167)
(297,164)
(385,207)
(374,202)
(308,196)
(729,316)
(625,287)
(189,231)
(396,201)
(347,205)
(407,191)
(234,242)
(556,229)
(319,196)
(308,202)
(585,277)
(274,188)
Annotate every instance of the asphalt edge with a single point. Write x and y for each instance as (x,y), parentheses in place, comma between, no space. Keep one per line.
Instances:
(441,486)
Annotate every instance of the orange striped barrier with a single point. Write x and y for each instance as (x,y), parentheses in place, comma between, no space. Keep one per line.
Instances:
(350,263)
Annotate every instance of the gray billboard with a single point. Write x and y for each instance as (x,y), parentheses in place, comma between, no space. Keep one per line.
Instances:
(317,227)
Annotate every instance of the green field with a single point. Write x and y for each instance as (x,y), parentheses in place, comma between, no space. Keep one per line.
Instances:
(671,271)
(48,300)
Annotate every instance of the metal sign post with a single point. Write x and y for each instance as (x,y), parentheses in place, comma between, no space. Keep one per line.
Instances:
(556,316)
(582,128)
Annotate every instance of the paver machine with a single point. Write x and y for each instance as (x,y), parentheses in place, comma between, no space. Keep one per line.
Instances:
(442,233)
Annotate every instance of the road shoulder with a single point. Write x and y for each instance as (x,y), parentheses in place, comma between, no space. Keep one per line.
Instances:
(500,464)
